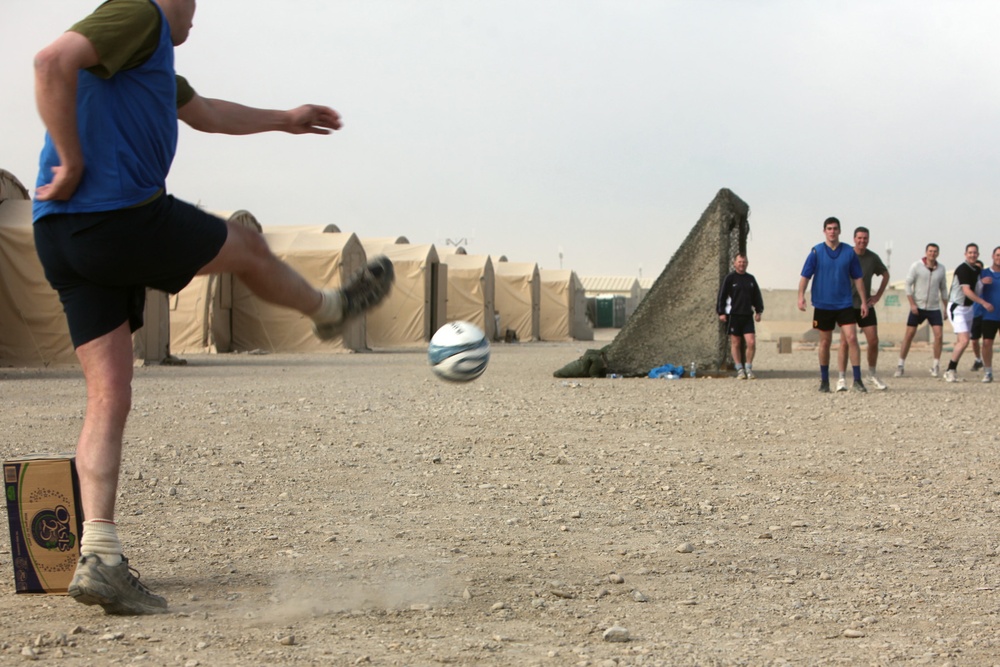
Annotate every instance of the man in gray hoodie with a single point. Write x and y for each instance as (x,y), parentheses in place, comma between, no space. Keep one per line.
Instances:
(926,283)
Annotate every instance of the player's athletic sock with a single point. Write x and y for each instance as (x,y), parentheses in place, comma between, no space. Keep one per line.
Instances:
(841,375)
(749,367)
(824,374)
(100,537)
(857,373)
(739,367)
(331,308)
(952,365)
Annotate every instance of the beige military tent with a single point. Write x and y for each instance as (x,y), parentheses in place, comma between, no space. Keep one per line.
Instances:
(416,306)
(373,246)
(33,328)
(289,229)
(451,250)
(201,313)
(10,187)
(471,290)
(325,260)
(563,307)
(518,294)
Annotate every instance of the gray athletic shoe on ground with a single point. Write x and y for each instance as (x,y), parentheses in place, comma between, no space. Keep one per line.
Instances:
(987,378)
(936,372)
(899,372)
(977,365)
(114,587)
(741,374)
(362,292)
(950,376)
(842,384)
(824,387)
(859,387)
(876,382)
(751,376)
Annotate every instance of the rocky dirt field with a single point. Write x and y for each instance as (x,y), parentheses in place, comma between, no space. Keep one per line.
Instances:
(354,510)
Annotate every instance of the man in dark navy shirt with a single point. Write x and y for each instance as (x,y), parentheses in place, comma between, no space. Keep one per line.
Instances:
(739,305)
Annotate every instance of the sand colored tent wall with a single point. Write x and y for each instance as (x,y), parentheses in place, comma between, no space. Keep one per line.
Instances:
(416,306)
(33,330)
(471,291)
(201,313)
(451,250)
(562,307)
(518,294)
(325,260)
(291,229)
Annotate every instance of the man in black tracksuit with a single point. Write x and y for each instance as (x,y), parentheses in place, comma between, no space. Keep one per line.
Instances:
(739,305)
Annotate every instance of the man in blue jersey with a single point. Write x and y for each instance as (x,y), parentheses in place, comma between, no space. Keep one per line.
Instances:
(990,278)
(833,267)
(105,230)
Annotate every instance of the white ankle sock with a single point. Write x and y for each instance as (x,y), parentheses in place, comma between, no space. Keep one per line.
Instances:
(100,537)
(331,308)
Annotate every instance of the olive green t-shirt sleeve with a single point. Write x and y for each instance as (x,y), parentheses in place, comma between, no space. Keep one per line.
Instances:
(125,33)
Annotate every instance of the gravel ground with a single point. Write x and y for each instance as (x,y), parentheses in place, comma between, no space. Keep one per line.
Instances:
(352,509)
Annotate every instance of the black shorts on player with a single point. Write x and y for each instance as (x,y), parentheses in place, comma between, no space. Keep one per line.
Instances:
(870,320)
(740,325)
(827,320)
(102,263)
(932,317)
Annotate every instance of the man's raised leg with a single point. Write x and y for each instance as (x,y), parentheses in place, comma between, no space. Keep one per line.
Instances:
(245,254)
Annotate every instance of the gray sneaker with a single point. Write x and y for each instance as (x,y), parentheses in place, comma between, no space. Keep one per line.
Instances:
(363,291)
(987,378)
(842,384)
(876,382)
(899,372)
(750,375)
(741,374)
(114,587)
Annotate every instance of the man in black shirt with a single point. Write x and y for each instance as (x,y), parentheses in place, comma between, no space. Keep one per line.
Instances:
(739,305)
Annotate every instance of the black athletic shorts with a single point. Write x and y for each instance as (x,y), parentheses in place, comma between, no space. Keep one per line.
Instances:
(102,263)
(933,318)
(827,320)
(990,329)
(870,320)
(976,332)
(740,325)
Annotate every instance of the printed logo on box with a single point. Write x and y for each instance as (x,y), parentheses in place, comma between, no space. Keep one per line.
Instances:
(50,529)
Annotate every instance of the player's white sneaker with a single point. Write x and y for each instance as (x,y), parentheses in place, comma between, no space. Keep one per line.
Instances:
(842,384)
(363,291)
(936,372)
(114,587)
(751,376)
(950,376)
(741,374)
(987,378)
(876,382)
(899,372)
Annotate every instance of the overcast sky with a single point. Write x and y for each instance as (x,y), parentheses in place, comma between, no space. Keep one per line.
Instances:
(600,130)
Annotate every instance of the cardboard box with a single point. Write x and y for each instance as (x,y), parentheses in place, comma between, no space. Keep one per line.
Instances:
(46,521)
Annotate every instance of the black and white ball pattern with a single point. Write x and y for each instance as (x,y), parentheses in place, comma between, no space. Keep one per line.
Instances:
(459,352)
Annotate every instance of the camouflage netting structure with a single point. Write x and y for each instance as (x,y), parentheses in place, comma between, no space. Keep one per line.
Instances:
(676,322)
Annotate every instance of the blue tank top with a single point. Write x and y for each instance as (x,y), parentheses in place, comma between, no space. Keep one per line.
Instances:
(128,134)
(834,271)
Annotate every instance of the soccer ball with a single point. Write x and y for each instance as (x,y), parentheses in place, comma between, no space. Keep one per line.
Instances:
(459,352)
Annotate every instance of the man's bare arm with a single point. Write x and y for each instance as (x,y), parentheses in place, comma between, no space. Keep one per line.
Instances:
(56,69)
(220,116)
